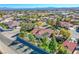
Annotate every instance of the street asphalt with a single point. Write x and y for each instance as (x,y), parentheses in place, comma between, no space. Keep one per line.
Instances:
(5,41)
(4,48)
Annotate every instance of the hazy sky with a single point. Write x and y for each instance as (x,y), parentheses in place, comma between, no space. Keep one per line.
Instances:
(37,5)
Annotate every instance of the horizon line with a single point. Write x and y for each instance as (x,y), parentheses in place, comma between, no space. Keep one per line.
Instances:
(38,5)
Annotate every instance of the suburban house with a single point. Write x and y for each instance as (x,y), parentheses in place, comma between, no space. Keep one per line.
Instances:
(6,16)
(1,19)
(66,24)
(76,17)
(7,19)
(42,32)
(12,24)
(70,46)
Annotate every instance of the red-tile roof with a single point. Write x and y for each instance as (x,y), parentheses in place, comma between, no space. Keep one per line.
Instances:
(65,24)
(70,45)
(42,31)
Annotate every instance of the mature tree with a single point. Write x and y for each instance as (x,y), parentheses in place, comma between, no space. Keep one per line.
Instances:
(27,27)
(53,46)
(66,34)
(40,23)
(4,26)
(21,34)
(68,19)
(31,37)
(58,19)
(62,50)
(51,22)
(44,44)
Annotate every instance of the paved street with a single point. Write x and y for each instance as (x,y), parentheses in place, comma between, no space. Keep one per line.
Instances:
(4,48)
(9,34)
(4,42)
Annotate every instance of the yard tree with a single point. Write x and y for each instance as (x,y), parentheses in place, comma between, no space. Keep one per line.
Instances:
(61,49)
(53,46)
(40,23)
(21,34)
(68,19)
(66,34)
(45,44)
(58,19)
(51,22)
(31,37)
(27,27)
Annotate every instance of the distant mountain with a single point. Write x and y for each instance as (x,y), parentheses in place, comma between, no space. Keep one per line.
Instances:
(5,8)
(45,8)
